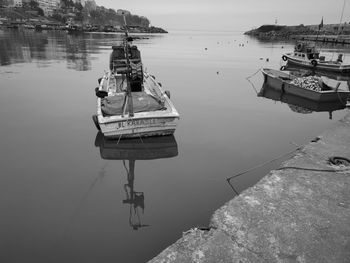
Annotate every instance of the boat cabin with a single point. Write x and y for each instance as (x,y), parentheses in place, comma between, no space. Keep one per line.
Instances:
(118,64)
(305,51)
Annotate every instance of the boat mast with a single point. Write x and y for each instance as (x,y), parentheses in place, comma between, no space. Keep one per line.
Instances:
(318,32)
(126,51)
(341,19)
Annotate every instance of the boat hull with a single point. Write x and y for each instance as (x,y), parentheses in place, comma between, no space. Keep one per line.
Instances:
(136,127)
(277,95)
(281,81)
(141,124)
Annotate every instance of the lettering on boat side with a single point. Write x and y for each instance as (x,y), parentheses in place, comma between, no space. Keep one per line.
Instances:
(142,122)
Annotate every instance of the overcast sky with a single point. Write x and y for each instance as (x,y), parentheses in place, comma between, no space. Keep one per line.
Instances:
(232,14)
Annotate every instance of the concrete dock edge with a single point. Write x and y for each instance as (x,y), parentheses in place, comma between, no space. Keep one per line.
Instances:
(299,213)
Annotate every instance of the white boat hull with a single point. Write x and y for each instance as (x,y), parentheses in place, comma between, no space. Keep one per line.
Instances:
(141,124)
(145,127)
(320,65)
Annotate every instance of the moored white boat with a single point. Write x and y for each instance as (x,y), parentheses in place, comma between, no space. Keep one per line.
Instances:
(131,103)
(153,112)
(306,55)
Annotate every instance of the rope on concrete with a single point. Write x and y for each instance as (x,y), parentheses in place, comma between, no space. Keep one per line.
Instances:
(263,164)
(314,169)
(285,168)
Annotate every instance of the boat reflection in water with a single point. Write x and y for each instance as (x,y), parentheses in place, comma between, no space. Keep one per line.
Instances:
(130,150)
(299,104)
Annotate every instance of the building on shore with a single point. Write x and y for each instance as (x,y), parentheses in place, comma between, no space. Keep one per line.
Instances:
(82,2)
(90,5)
(123,12)
(48,6)
(14,3)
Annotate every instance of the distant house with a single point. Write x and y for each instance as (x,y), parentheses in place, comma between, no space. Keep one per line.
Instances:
(90,5)
(14,3)
(48,6)
(123,12)
(82,2)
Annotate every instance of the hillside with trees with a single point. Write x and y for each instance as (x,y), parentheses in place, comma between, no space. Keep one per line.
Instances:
(69,12)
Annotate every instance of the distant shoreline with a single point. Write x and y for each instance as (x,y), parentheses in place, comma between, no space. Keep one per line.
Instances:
(292,32)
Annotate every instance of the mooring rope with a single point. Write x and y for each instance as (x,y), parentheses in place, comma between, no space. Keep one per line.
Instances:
(346,169)
(263,164)
(251,83)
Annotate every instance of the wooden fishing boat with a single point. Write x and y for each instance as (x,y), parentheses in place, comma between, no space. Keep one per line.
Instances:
(306,55)
(130,102)
(310,88)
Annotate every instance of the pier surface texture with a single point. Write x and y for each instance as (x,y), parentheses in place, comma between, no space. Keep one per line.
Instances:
(291,215)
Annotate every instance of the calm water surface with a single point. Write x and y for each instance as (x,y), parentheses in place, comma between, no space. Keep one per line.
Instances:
(67,195)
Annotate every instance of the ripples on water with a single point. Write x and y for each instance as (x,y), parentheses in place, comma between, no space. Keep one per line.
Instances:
(67,195)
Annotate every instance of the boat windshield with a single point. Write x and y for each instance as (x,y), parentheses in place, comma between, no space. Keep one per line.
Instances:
(313,56)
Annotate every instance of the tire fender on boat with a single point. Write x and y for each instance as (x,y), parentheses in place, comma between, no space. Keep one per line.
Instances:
(284,58)
(283,88)
(283,68)
(299,47)
(167,92)
(314,63)
(100,93)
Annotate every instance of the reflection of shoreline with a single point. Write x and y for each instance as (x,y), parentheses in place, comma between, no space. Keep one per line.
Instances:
(46,47)
(20,46)
(130,150)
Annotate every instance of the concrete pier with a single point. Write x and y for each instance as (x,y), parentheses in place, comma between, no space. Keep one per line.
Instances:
(299,213)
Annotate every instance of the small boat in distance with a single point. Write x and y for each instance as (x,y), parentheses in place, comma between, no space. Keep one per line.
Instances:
(130,102)
(309,87)
(306,55)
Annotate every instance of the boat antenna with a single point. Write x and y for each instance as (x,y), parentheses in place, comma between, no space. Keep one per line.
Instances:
(128,66)
(341,19)
(318,32)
